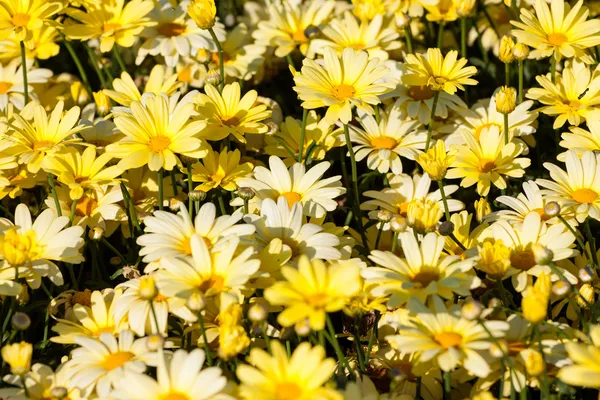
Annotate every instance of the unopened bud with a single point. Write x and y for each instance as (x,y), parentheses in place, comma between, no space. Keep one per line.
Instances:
(506,99)
(498,349)
(257,312)
(20,321)
(155,342)
(542,254)
(398,224)
(197,195)
(96,233)
(560,288)
(302,328)
(23,297)
(213,77)
(272,128)
(203,56)
(471,310)
(586,295)
(115,261)
(446,228)
(552,209)
(506,46)
(586,274)
(465,8)
(196,302)
(174,204)
(384,216)
(102,103)
(311,31)
(148,289)
(534,362)
(59,393)
(402,20)
(246,193)
(520,51)
(495,303)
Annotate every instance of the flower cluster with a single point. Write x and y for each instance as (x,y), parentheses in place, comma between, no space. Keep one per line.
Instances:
(299,199)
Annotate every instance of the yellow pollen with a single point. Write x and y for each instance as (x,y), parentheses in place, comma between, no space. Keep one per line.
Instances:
(111,27)
(403,208)
(584,196)
(574,104)
(420,92)
(448,339)
(18,249)
(230,121)
(86,206)
(522,260)
(542,214)
(43,145)
(487,166)
(174,396)
(426,275)
(5,87)
(557,39)
(158,143)
(115,360)
(383,142)
(485,126)
(20,19)
(288,391)
(357,46)
(299,36)
(343,91)
(292,198)
(171,29)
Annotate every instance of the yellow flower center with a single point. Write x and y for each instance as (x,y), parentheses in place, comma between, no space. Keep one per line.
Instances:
(212,282)
(185,75)
(437,82)
(357,46)
(230,121)
(448,339)
(485,126)
(384,142)
(18,249)
(318,299)
(574,104)
(115,360)
(541,213)
(86,206)
(522,260)
(299,36)
(288,391)
(584,196)
(171,29)
(486,166)
(5,87)
(420,93)
(557,39)
(43,145)
(403,208)
(174,396)
(158,143)
(111,27)
(20,19)
(426,275)
(103,329)
(343,92)
(292,198)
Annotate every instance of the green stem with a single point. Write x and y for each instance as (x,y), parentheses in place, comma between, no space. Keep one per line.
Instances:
(395,241)
(221,64)
(577,237)
(447,384)
(379,232)
(553,68)
(190,189)
(444,199)
(154,316)
(458,243)
(507,74)
(505,128)
(222,204)
(336,345)
(72,276)
(54,195)
(591,241)
(372,337)
(545,383)
(78,64)
(521,76)
(356,201)
(431,117)
(174,182)
(463,37)
(440,38)
(24,67)
(246,206)
(359,350)
(408,37)
(94,62)
(302,134)
(160,189)
(114,250)
(118,57)
(73,209)
(209,360)
(131,207)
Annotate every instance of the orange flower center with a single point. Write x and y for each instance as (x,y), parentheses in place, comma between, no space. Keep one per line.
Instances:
(318,299)
(584,196)
(20,19)
(420,92)
(43,145)
(86,206)
(542,214)
(230,121)
(5,87)
(299,36)
(111,27)
(115,360)
(403,208)
(425,276)
(171,29)
(292,198)
(343,91)
(288,391)
(383,142)
(158,143)
(174,396)
(557,39)
(103,329)
(212,282)
(486,166)
(522,260)
(448,339)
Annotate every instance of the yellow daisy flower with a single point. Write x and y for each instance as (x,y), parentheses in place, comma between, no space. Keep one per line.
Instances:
(313,290)
(487,160)
(226,114)
(42,45)
(557,30)
(14,180)
(444,11)
(581,140)
(342,83)
(276,376)
(437,72)
(125,90)
(110,22)
(220,170)
(156,130)
(21,17)
(585,370)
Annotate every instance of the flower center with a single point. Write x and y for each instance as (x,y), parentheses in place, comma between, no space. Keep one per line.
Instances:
(486,166)
(86,206)
(103,329)
(426,275)
(522,260)
(292,198)
(299,36)
(383,142)
(584,196)
(448,339)
(43,145)
(288,391)
(174,396)
(158,143)
(318,299)
(557,39)
(20,19)
(171,29)
(403,208)
(5,87)
(343,91)
(111,27)
(542,214)
(18,249)
(437,82)
(215,282)
(420,92)
(483,127)
(115,360)
(230,121)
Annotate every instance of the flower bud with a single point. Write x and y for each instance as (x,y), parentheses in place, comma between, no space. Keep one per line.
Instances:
(398,224)
(402,20)
(552,209)
(79,93)
(471,310)
(384,216)
(20,321)
(174,204)
(197,195)
(482,209)
(506,46)
(534,362)
(196,302)
(155,342)
(203,56)
(102,103)
(18,356)
(542,254)
(302,328)
(446,228)
(246,193)
(257,312)
(520,51)
(203,12)
(465,8)
(311,31)
(212,77)
(148,289)
(23,297)
(586,274)
(495,303)
(560,288)
(273,128)
(96,233)
(506,99)
(586,296)
(59,393)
